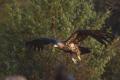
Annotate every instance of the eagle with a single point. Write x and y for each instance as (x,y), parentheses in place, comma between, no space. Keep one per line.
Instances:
(72,45)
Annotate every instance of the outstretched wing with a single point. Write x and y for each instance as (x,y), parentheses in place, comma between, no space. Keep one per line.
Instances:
(100,35)
(38,44)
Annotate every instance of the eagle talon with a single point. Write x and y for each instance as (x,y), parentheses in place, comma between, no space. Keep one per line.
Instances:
(79,58)
(74,60)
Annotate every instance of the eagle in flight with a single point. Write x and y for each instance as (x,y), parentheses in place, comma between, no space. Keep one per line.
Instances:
(72,45)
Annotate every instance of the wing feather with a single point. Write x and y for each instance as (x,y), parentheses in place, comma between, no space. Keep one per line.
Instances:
(101,36)
(84,50)
(38,44)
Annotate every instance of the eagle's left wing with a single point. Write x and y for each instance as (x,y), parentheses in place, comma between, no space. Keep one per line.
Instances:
(38,44)
(101,36)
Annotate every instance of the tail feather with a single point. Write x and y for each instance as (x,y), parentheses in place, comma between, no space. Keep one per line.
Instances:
(84,50)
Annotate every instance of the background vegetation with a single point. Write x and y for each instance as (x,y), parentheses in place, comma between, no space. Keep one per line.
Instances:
(26,20)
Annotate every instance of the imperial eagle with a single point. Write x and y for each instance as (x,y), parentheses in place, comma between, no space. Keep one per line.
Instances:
(72,45)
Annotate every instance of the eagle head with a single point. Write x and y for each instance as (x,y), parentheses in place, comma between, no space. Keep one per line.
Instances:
(59,45)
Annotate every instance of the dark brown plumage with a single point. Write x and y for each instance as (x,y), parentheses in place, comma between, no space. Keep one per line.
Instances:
(73,44)
(101,36)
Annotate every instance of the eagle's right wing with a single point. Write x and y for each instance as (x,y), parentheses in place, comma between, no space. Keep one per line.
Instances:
(38,44)
(101,36)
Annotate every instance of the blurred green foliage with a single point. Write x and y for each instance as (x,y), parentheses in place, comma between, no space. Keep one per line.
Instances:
(30,19)
(113,69)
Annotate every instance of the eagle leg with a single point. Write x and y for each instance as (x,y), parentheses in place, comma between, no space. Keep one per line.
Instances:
(78,56)
(74,60)
(75,57)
